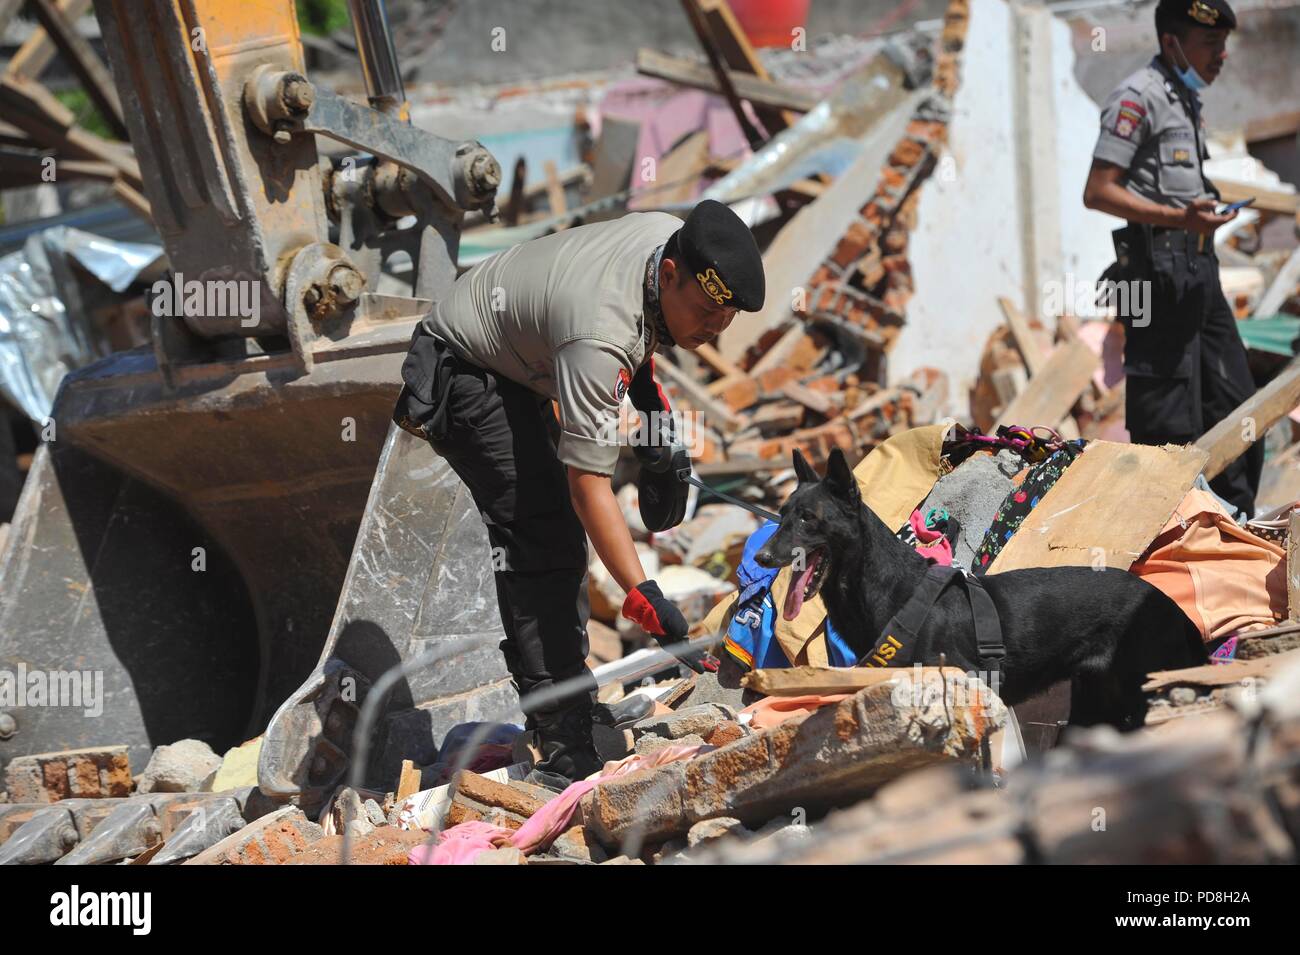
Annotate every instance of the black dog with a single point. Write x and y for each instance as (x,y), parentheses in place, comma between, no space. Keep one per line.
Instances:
(1104,630)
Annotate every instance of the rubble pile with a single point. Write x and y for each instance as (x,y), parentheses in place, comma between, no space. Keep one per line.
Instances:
(909,768)
(788,753)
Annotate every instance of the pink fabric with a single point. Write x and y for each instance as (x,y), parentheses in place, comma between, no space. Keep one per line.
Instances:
(1106,339)
(461,843)
(934,545)
(667,114)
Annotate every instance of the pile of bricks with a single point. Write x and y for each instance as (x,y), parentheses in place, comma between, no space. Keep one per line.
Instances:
(775,400)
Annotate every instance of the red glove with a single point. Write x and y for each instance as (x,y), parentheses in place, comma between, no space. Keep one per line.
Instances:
(658,616)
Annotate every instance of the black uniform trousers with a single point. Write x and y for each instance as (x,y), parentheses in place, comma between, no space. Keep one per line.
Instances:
(1184,361)
(501,438)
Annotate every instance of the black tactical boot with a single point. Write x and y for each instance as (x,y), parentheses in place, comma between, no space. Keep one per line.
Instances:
(625,712)
(568,754)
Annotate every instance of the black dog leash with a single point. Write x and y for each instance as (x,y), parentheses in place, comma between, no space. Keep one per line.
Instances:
(752,508)
(901,639)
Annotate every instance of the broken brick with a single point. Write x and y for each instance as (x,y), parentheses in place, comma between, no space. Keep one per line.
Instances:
(98,772)
(833,757)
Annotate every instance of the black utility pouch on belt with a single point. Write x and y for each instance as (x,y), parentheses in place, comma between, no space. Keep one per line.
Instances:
(421,408)
(1133,262)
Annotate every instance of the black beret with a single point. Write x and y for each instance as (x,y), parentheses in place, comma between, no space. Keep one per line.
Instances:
(1211,14)
(720,252)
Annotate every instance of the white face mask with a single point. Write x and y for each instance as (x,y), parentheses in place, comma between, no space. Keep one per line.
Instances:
(1191,79)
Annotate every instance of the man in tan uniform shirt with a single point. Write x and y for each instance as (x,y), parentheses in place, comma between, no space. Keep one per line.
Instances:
(573,318)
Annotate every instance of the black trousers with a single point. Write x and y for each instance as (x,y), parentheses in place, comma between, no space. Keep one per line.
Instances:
(500,438)
(1184,361)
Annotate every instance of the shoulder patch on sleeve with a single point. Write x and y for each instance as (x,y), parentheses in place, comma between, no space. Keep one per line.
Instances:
(621,385)
(1128,118)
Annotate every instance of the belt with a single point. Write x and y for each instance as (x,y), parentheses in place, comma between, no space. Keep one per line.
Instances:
(1181,240)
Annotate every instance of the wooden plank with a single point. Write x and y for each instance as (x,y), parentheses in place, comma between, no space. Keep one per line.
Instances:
(721,386)
(615,154)
(807,680)
(132,199)
(676,174)
(554,192)
(513,211)
(409,783)
(777,417)
(1293,567)
(689,73)
(775,356)
(1261,643)
(875,402)
(738,54)
(1030,347)
(703,33)
(1008,383)
(38,49)
(579,175)
(1273,127)
(817,401)
(1224,443)
(1053,391)
(1281,288)
(1221,674)
(1105,510)
(28,168)
(33,109)
(1266,200)
(699,398)
(84,61)
(709,355)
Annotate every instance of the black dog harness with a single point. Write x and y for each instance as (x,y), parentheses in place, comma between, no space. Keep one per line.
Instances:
(902,642)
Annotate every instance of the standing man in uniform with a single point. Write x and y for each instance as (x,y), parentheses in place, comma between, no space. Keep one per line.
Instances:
(573,318)
(1184,361)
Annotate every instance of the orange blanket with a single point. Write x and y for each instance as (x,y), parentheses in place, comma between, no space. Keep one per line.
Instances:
(1224,577)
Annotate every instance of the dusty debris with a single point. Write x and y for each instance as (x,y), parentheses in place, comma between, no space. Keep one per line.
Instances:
(834,756)
(270,840)
(180,767)
(381,846)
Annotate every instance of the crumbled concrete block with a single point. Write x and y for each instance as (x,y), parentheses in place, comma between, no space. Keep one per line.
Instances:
(723,686)
(834,757)
(270,840)
(650,743)
(103,771)
(690,720)
(180,767)
(375,813)
(669,851)
(349,813)
(707,830)
(576,843)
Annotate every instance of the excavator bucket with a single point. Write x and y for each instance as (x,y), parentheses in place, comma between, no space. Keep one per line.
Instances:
(420,584)
(188,544)
(219,526)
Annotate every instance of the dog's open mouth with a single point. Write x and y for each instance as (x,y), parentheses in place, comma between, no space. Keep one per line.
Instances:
(806,583)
